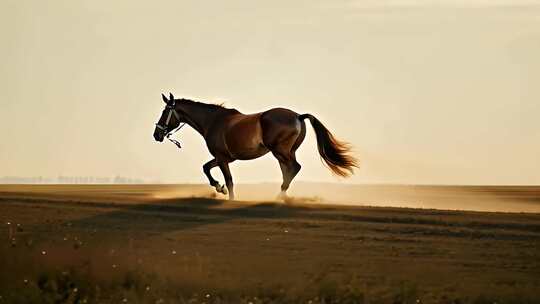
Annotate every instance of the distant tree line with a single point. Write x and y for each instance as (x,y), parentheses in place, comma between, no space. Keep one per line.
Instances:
(61,179)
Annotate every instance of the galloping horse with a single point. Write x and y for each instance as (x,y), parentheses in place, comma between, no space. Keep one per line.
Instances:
(231,135)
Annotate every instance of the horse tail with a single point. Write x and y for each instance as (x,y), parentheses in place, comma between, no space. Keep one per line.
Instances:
(334,153)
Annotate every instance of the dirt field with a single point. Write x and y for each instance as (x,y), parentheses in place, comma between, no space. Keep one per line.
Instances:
(170,244)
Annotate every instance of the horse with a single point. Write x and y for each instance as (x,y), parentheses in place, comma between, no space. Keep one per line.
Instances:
(231,135)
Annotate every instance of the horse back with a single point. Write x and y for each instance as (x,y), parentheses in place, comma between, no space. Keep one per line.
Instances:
(248,136)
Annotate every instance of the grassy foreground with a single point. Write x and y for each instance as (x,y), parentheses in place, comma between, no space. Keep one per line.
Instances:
(124,244)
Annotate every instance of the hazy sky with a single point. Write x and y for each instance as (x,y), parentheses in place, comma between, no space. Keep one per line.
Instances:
(426,91)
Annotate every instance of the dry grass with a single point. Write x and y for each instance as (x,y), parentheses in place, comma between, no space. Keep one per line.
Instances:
(68,244)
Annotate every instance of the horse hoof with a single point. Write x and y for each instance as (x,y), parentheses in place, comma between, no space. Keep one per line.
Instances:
(282,196)
(221,189)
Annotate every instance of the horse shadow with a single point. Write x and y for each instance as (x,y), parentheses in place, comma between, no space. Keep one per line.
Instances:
(169,215)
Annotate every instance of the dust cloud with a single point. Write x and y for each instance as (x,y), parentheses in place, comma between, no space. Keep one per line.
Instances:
(471,198)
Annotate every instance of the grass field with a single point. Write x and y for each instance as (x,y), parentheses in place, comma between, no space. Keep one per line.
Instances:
(175,244)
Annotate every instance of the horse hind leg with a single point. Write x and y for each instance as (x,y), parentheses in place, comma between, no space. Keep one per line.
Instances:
(289,169)
(284,148)
(285,153)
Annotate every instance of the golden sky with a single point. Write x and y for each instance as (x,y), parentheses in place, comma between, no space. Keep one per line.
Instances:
(426,91)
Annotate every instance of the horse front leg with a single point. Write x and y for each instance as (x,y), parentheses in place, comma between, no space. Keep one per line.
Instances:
(224,166)
(214,183)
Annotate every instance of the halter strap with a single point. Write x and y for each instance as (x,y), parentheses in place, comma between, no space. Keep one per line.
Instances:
(176,130)
(172,111)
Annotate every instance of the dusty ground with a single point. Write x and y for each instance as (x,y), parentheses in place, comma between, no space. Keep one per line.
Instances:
(155,244)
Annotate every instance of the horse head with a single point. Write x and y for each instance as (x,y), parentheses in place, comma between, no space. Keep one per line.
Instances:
(169,120)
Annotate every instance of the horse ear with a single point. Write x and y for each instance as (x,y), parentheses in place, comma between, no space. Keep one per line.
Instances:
(164,98)
(171,97)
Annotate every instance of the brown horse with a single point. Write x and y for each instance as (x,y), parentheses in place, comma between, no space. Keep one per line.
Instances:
(231,135)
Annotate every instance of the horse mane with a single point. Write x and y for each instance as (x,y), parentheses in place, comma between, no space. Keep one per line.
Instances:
(213,106)
(220,104)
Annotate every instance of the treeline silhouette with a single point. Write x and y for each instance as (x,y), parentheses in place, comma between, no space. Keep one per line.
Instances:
(62,179)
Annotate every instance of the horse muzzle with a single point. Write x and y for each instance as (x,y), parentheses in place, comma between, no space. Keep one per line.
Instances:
(159,136)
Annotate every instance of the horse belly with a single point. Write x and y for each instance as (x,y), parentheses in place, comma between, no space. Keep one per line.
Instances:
(245,141)
(250,153)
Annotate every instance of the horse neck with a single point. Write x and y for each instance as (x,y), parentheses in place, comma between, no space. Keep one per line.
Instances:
(197,115)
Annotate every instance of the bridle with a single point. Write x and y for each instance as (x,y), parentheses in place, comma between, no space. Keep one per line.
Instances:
(164,128)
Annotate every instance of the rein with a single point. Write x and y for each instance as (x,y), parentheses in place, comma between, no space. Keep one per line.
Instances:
(172,111)
(174,141)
